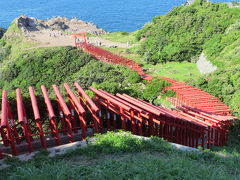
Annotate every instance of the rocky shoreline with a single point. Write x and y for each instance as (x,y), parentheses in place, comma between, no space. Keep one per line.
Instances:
(56,32)
(29,24)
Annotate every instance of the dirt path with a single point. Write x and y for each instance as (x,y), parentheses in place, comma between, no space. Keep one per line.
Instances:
(48,38)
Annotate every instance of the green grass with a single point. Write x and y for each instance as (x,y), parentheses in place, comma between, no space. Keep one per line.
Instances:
(122,156)
(16,40)
(13,28)
(182,71)
(122,37)
(129,53)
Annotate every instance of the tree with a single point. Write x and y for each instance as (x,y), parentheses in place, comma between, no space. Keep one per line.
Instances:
(153,89)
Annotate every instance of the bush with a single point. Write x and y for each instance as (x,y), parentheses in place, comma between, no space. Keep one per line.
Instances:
(5,50)
(153,89)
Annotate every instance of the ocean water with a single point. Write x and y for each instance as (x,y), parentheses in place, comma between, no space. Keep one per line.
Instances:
(111,15)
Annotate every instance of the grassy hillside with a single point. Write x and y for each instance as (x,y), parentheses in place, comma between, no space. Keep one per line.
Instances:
(182,71)
(21,66)
(47,66)
(123,37)
(186,31)
(171,40)
(122,156)
(15,42)
(223,50)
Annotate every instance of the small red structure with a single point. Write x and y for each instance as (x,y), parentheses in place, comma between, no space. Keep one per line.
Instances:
(76,37)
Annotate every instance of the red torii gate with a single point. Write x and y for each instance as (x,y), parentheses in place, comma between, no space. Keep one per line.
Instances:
(186,125)
(80,35)
(67,119)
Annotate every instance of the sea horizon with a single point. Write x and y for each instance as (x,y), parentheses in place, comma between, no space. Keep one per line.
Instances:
(125,15)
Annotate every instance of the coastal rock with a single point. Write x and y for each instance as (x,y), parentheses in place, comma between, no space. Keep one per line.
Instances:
(2,31)
(57,25)
(29,24)
(233,4)
(205,66)
(190,2)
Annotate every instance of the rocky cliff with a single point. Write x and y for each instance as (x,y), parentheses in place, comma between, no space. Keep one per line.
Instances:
(204,65)
(2,31)
(28,24)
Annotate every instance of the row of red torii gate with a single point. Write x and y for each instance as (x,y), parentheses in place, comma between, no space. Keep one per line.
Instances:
(199,119)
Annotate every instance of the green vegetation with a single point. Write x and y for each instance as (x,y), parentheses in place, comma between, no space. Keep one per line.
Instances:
(123,37)
(182,71)
(14,40)
(186,31)
(168,47)
(224,49)
(23,67)
(5,50)
(122,156)
(47,66)
(154,88)
(131,53)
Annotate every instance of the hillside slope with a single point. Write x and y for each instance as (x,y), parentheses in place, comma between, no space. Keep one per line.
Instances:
(187,31)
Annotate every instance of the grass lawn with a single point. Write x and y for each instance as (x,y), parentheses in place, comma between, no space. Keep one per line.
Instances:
(122,37)
(182,71)
(122,156)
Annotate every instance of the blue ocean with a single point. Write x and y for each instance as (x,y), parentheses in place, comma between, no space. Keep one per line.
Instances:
(111,15)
